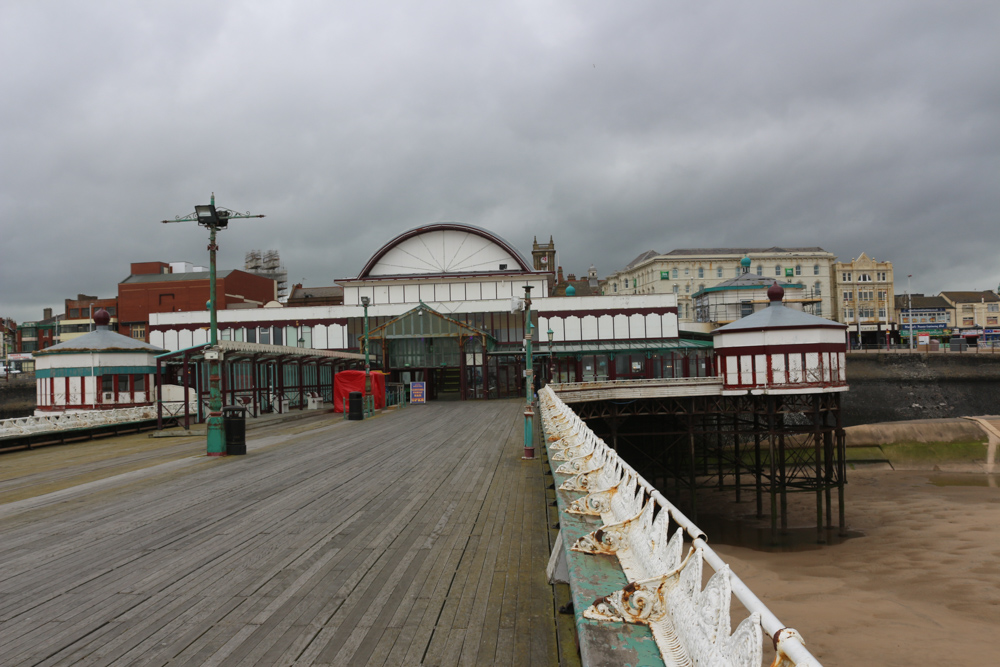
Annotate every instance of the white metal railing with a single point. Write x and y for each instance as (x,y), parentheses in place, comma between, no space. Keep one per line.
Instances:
(641,382)
(63,421)
(691,624)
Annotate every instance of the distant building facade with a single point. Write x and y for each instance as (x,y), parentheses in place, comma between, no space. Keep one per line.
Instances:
(685,272)
(268,264)
(918,315)
(740,297)
(153,287)
(864,299)
(315,296)
(78,314)
(976,314)
(40,334)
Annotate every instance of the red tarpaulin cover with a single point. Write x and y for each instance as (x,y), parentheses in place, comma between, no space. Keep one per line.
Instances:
(345,382)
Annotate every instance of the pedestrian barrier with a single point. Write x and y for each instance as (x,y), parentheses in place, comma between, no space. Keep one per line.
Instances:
(72,420)
(646,533)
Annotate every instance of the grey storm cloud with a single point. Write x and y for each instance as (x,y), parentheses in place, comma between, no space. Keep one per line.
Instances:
(614,127)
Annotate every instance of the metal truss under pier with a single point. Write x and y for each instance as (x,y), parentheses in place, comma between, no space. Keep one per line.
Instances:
(768,445)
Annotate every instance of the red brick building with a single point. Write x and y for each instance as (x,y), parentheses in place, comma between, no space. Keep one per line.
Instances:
(77,316)
(153,288)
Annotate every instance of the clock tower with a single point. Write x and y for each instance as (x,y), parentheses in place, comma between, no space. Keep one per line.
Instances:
(543,255)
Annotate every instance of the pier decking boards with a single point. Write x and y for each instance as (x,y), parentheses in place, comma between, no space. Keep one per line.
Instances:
(417,537)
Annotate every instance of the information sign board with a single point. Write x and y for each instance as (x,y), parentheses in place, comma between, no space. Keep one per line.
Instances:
(417,392)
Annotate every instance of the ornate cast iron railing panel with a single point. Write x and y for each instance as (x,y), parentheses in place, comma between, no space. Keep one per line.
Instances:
(64,421)
(690,623)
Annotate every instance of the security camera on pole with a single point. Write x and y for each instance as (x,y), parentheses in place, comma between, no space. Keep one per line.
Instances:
(214,219)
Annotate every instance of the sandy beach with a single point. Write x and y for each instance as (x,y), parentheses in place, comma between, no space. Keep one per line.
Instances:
(920,587)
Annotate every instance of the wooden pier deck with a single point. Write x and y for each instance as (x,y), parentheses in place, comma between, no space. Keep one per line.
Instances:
(417,537)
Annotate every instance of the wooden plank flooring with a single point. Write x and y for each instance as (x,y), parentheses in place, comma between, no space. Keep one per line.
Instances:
(417,537)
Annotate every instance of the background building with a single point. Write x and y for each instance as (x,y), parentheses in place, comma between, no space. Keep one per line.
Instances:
(268,264)
(38,335)
(976,314)
(864,299)
(315,296)
(445,306)
(917,314)
(153,287)
(571,286)
(78,315)
(740,297)
(686,272)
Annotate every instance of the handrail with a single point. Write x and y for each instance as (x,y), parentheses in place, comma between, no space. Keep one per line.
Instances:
(658,577)
(65,421)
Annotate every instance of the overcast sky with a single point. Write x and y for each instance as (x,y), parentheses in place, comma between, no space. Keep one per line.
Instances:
(615,127)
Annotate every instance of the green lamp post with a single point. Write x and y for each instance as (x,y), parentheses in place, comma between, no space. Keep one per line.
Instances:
(529,413)
(552,355)
(368,373)
(214,219)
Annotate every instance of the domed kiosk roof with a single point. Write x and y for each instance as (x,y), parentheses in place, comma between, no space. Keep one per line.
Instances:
(101,340)
(778,316)
(444,248)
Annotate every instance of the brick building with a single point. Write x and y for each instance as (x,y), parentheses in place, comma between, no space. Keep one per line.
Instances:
(79,311)
(154,287)
(40,334)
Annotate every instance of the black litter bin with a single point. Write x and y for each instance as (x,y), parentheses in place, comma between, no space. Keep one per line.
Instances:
(355,409)
(234,423)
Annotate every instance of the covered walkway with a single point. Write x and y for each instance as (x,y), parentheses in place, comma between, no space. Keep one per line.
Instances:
(261,378)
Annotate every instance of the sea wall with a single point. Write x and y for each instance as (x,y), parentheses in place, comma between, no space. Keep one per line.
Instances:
(899,387)
(17,397)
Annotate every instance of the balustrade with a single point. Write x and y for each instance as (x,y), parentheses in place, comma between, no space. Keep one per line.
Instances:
(646,533)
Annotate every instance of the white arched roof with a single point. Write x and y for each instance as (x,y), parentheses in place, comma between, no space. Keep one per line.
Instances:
(445,248)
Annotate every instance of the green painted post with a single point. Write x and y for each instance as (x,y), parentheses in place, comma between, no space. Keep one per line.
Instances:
(216,434)
(209,217)
(529,434)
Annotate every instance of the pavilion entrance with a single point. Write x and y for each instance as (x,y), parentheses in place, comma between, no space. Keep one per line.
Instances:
(422,345)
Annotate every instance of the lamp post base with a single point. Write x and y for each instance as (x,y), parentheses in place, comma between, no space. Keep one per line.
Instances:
(529,434)
(216,436)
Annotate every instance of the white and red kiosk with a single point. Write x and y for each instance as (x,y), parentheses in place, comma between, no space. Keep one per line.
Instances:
(780,350)
(101,370)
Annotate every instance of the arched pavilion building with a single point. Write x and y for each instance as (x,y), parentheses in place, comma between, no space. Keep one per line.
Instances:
(446,306)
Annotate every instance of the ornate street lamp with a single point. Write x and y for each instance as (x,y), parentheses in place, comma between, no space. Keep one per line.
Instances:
(214,219)
(368,374)
(552,355)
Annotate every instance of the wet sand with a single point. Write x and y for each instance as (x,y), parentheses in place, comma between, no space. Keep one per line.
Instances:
(920,587)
